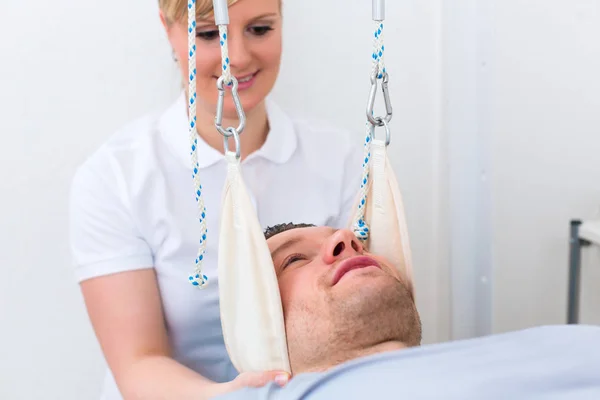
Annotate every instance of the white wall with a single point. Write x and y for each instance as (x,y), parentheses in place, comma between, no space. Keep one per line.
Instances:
(520,127)
(542,97)
(70,76)
(465,164)
(73,72)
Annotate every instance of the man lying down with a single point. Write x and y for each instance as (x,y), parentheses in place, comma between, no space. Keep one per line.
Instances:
(354,333)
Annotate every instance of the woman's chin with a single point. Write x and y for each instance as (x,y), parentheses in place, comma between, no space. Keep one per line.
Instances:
(249,103)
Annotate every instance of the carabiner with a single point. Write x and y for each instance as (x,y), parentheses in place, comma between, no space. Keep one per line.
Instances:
(378,121)
(238,108)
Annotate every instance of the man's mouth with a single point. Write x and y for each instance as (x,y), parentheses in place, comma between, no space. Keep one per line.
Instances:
(351,264)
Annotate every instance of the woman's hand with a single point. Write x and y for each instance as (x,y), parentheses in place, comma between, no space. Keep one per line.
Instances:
(251,379)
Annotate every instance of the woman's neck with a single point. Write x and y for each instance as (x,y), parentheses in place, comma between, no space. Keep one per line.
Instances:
(252,138)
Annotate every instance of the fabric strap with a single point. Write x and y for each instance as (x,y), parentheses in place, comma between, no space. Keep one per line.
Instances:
(251,310)
(384,212)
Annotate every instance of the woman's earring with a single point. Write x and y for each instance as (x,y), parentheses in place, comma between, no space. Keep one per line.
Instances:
(173,55)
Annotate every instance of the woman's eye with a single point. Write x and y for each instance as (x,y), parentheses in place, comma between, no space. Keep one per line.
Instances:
(208,35)
(212,35)
(260,30)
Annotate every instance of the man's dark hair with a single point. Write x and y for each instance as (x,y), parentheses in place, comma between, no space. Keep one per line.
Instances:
(276,229)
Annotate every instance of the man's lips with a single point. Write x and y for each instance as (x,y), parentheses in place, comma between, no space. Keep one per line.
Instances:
(353,263)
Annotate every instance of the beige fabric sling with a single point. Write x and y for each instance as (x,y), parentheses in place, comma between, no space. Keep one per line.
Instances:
(251,310)
(384,214)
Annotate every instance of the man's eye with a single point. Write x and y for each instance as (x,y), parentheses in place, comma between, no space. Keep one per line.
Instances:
(292,259)
(260,30)
(207,35)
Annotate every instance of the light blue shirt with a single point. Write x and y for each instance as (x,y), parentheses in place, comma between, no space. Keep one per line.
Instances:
(553,362)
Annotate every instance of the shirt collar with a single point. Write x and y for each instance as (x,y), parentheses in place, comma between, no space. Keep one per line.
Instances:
(278,148)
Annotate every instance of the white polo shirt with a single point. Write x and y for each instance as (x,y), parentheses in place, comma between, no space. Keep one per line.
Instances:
(133,207)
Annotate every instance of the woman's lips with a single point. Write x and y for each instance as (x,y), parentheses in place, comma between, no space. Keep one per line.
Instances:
(244,81)
(247,81)
(351,264)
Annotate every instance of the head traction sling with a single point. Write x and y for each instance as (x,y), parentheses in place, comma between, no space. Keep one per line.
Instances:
(250,303)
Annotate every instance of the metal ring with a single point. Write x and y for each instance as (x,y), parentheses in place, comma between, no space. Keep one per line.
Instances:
(236,138)
(375,121)
(388,134)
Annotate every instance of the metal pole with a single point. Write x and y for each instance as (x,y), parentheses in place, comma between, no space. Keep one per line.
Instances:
(574,273)
(221,12)
(378,10)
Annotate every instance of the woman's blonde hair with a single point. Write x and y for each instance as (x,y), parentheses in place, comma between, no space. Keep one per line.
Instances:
(177,10)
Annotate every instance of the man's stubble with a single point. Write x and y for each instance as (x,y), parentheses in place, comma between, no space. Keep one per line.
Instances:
(350,319)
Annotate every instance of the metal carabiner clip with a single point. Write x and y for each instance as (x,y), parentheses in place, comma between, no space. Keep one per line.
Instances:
(238,108)
(378,121)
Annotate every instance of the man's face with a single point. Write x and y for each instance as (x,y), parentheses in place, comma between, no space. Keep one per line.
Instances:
(336,295)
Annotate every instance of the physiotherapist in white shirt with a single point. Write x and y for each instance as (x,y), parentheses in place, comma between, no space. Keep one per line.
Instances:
(133,212)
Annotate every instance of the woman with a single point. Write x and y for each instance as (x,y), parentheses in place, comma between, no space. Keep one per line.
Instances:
(134,225)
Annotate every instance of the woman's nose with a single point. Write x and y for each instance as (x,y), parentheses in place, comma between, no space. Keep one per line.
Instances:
(239,53)
(342,244)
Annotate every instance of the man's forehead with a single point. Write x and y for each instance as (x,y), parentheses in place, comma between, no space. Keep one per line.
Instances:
(299,234)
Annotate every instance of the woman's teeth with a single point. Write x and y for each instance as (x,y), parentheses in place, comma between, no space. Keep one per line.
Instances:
(246,79)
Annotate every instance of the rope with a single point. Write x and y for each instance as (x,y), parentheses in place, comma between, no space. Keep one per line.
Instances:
(224,55)
(378,50)
(360,227)
(197,279)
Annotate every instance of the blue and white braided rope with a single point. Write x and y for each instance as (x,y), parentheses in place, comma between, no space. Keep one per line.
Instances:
(224,55)
(197,279)
(360,226)
(378,50)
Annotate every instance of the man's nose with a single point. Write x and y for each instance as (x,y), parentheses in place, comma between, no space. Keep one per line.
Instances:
(342,244)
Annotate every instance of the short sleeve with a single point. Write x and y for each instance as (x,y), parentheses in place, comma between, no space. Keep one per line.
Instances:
(350,184)
(103,236)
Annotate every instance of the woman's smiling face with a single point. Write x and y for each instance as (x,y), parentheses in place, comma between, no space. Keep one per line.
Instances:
(255,42)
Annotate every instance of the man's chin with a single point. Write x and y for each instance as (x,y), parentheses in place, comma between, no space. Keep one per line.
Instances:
(370,307)
(366,291)
(370,277)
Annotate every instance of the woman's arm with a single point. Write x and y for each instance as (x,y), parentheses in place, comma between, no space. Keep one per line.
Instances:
(126,313)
